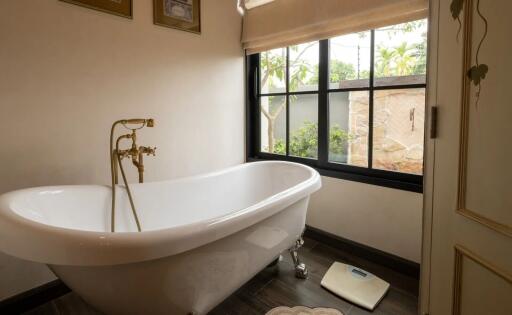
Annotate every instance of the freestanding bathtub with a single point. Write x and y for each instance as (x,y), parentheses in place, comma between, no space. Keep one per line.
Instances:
(202,237)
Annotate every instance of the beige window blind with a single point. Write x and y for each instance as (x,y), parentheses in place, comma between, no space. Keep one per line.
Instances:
(281,23)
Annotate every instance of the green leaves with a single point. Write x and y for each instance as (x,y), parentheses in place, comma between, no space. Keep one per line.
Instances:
(341,71)
(404,59)
(298,73)
(273,68)
(456,8)
(477,73)
(338,140)
(279,147)
(304,141)
(401,60)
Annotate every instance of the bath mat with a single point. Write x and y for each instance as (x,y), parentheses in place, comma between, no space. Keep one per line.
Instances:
(302,310)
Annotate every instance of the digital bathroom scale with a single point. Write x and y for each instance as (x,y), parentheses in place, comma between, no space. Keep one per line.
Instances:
(355,285)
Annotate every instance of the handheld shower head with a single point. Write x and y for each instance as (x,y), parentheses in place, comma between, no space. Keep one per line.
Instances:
(150,122)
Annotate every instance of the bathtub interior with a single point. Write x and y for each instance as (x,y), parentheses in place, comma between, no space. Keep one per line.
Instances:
(159,204)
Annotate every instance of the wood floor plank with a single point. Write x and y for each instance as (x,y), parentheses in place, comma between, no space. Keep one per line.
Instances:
(394,303)
(73,304)
(45,309)
(322,256)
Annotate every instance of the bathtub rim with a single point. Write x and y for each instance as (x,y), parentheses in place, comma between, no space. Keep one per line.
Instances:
(31,240)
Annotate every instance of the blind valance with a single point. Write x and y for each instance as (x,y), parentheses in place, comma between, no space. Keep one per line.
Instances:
(282,23)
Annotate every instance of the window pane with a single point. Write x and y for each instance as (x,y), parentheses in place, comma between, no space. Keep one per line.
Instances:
(273,71)
(401,54)
(349,61)
(304,125)
(348,127)
(398,130)
(273,124)
(304,67)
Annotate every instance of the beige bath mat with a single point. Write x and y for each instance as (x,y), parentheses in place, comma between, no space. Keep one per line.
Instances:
(302,310)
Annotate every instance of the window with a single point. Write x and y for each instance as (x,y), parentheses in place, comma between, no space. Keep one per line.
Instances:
(351,106)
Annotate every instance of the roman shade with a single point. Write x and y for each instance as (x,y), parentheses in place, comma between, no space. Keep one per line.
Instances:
(281,23)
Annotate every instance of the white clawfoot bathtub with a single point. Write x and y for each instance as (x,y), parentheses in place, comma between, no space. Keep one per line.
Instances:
(202,237)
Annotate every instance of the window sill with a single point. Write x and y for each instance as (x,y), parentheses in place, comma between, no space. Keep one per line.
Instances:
(384,179)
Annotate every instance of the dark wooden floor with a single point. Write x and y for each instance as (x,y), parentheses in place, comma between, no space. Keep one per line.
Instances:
(277,286)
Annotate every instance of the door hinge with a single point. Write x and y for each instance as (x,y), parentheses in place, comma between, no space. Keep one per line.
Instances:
(433,122)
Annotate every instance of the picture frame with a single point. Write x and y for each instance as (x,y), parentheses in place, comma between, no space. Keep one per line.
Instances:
(184,15)
(123,8)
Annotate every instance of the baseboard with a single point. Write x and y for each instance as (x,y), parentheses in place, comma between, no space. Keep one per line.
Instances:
(388,260)
(31,299)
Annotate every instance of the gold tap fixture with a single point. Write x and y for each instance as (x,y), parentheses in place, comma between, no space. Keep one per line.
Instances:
(135,153)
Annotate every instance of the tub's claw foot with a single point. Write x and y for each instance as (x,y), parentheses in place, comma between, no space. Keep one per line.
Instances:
(301,271)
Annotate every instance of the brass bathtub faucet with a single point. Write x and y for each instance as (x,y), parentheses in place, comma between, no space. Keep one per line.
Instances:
(136,154)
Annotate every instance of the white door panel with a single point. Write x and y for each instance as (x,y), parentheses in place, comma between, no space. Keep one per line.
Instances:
(469,249)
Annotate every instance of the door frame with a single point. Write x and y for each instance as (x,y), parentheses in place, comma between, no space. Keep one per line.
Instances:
(429,156)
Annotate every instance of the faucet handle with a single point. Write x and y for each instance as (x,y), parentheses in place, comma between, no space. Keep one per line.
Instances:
(148,150)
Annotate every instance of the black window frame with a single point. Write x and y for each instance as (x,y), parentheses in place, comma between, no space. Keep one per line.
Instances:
(369,175)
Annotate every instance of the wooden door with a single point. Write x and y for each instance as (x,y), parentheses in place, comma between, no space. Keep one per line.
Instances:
(467,254)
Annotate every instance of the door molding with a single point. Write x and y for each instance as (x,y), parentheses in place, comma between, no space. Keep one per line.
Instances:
(460,253)
(464,126)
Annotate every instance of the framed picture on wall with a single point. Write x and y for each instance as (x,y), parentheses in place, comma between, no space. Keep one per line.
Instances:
(118,7)
(184,15)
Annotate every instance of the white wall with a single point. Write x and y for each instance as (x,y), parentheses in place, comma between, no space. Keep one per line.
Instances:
(68,72)
(383,218)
